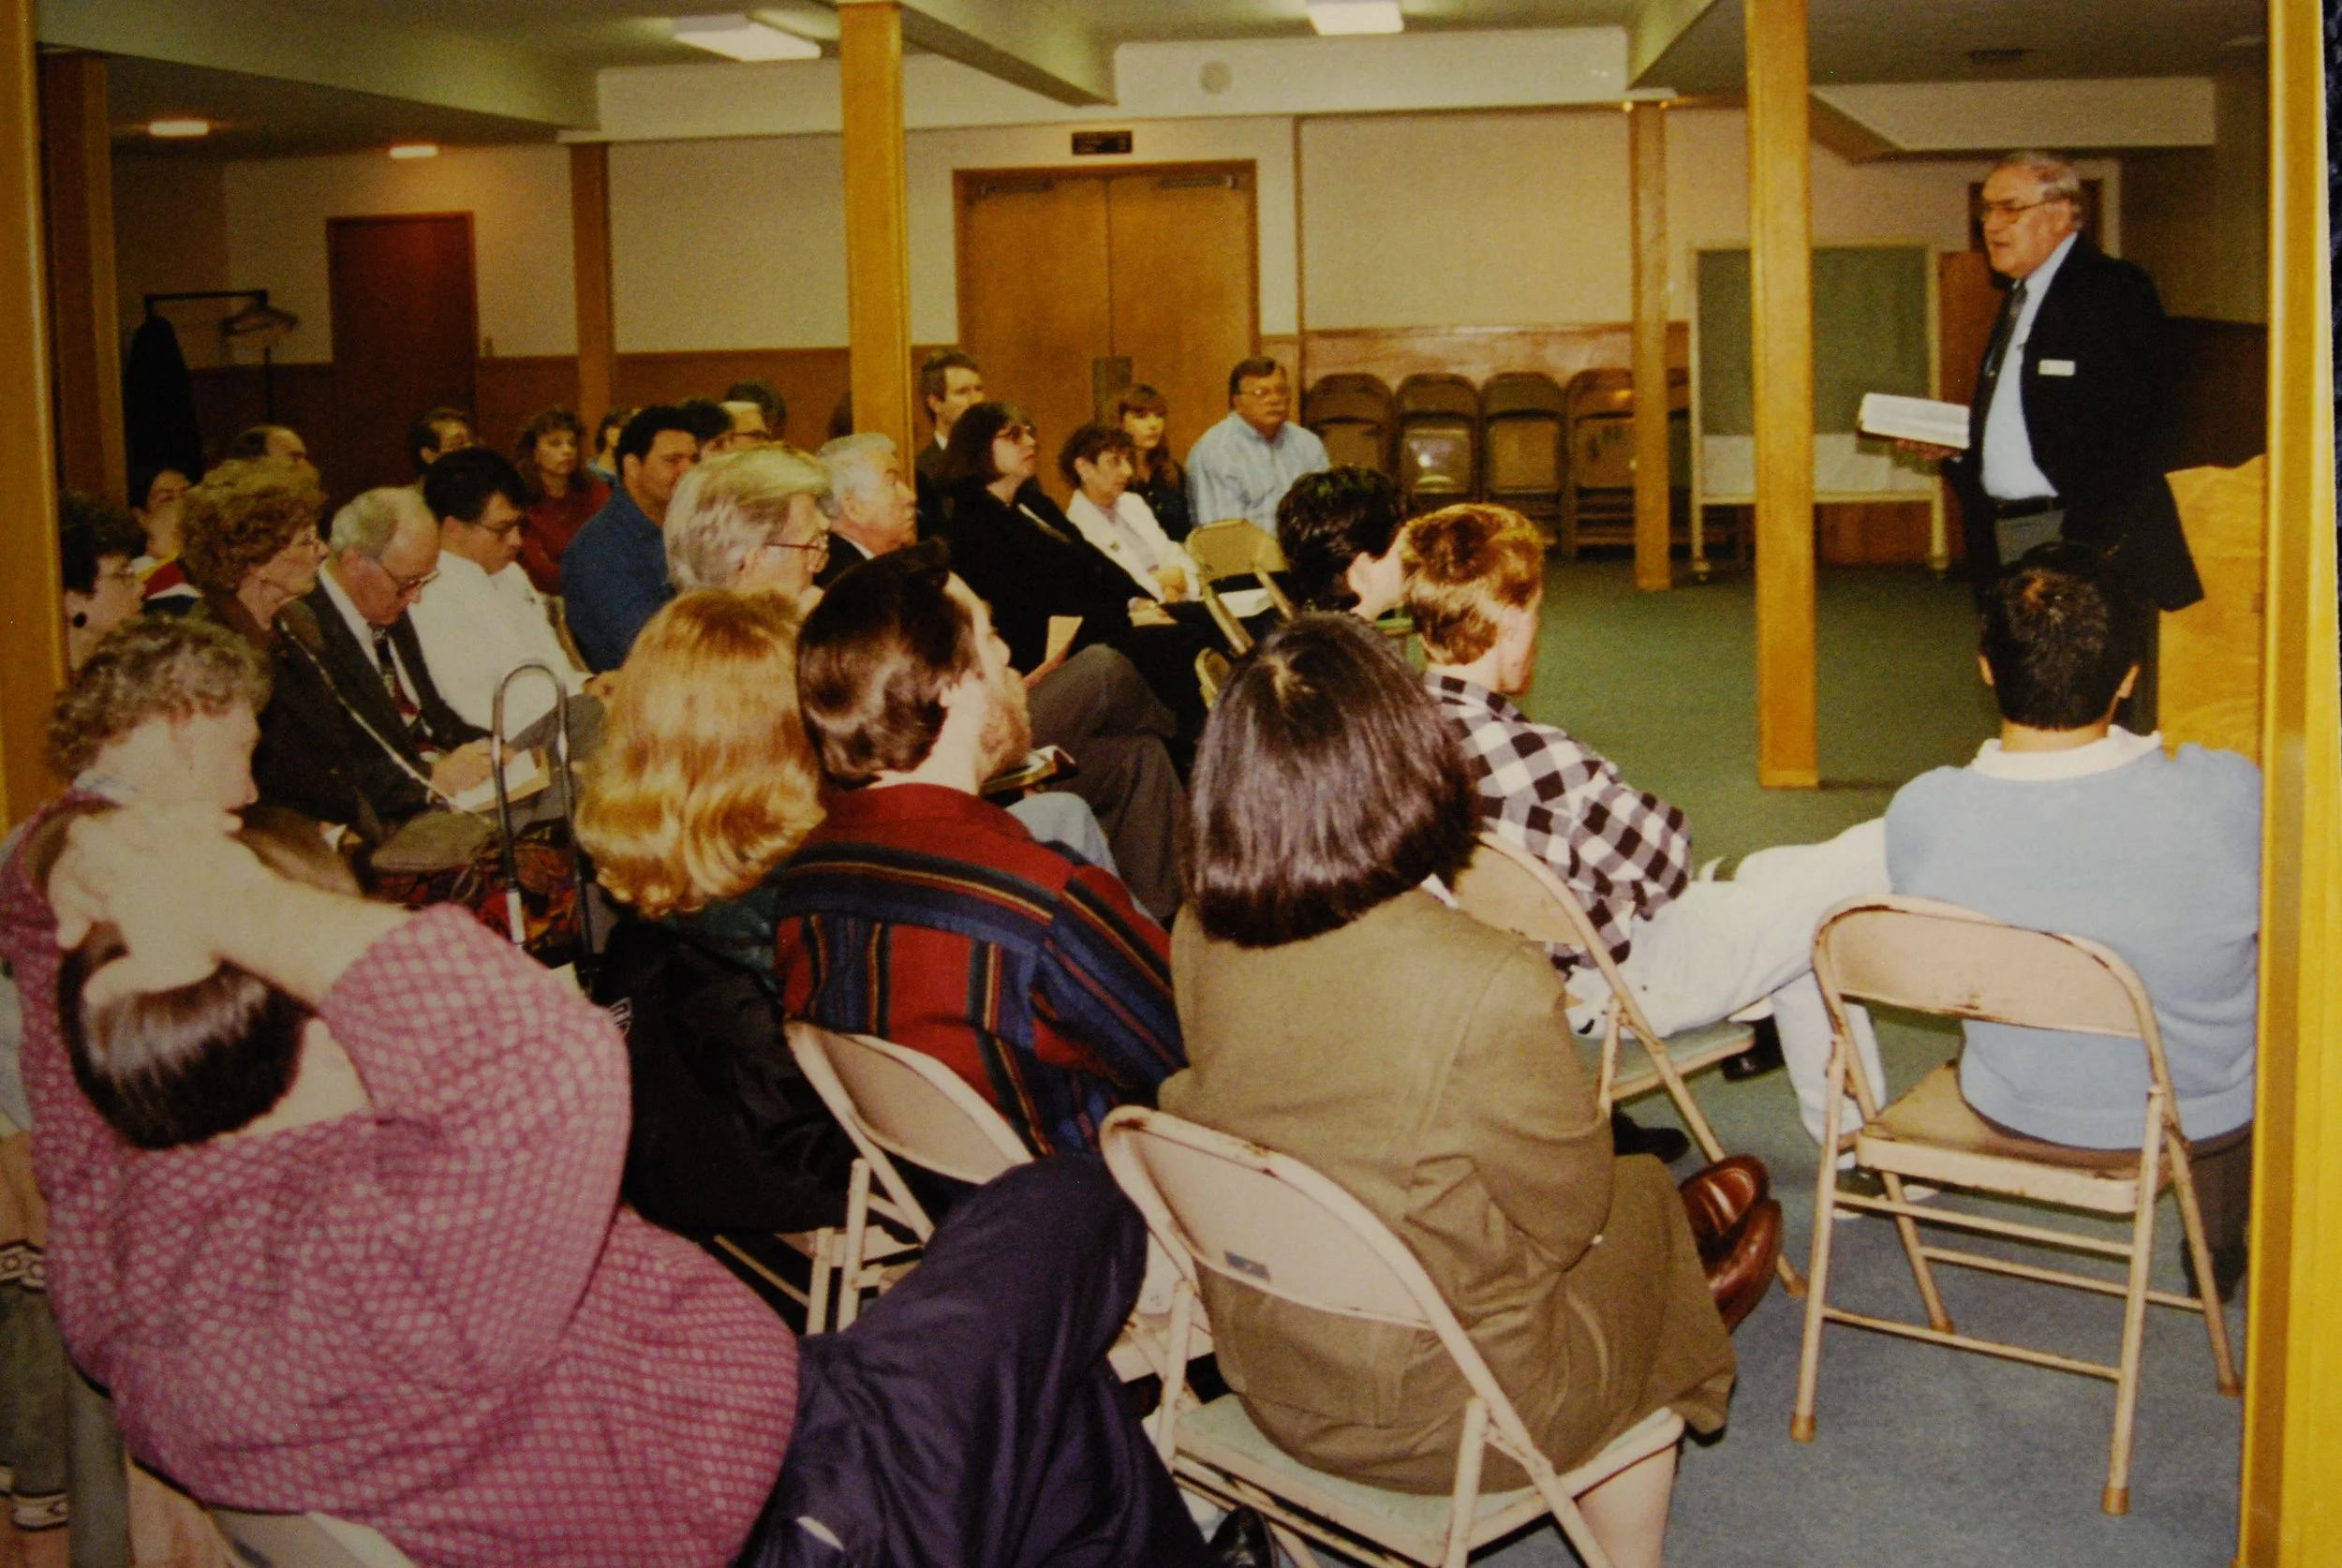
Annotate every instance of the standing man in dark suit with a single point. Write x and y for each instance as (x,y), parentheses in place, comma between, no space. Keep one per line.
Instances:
(2066,432)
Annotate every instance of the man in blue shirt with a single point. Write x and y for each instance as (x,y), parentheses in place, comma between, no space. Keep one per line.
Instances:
(1243,466)
(613,575)
(2068,823)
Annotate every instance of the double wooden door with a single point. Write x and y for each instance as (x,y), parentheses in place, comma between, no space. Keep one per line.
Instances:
(1074,284)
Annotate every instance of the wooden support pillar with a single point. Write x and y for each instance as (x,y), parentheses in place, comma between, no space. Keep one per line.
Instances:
(2291,1512)
(589,249)
(1781,309)
(1647,155)
(31,623)
(878,219)
(84,313)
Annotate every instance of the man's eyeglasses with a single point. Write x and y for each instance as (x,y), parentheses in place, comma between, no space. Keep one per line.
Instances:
(408,586)
(819,547)
(1984,210)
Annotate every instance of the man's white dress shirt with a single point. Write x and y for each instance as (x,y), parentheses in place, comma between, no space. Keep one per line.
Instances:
(2009,471)
(476,630)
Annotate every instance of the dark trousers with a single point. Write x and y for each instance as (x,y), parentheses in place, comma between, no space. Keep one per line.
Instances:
(1100,709)
(969,1419)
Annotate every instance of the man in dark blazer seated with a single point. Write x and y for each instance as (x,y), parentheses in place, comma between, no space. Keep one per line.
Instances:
(2066,432)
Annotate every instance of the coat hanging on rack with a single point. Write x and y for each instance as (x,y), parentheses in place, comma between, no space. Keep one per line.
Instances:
(158,421)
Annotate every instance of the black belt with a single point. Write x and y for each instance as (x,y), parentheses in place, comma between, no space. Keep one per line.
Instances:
(2032,507)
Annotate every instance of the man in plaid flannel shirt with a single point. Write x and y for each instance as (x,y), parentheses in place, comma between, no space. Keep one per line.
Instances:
(1694,951)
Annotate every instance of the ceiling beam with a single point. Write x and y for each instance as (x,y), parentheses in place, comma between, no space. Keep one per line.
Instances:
(1653,29)
(1045,46)
(416,64)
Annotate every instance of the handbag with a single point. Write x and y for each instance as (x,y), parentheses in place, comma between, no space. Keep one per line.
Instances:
(432,841)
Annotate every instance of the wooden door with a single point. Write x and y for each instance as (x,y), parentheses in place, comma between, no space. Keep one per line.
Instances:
(404,337)
(1186,291)
(1034,294)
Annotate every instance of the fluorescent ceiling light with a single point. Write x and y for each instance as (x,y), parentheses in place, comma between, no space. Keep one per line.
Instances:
(415,150)
(174,129)
(739,36)
(1334,18)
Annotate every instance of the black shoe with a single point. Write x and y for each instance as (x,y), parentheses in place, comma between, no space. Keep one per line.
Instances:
(1243,1541)
(1762,1056)
(1665,1143)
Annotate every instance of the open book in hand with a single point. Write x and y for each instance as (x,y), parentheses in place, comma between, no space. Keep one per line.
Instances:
(524,774)
(1914,418)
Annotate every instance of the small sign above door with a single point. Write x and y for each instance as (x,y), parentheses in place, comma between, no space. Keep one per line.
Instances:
(1092,145)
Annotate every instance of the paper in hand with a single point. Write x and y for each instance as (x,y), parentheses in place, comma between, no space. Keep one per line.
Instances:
(1062,630)
(1914,418)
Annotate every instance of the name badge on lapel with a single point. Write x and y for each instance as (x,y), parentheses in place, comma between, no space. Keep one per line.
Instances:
(2055,368)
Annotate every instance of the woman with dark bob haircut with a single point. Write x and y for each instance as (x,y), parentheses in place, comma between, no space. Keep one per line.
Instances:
(1336,1010)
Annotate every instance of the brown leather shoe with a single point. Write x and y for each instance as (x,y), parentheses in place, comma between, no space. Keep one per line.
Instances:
(1718,1197)
(1739,1279)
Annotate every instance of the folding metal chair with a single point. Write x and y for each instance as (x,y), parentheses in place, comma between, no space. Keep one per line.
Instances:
(1267,1222)
(304,1541)
(1938,958)
(1438,443)
(1234,548)
(1212,674)
(1351,413)
(1522,419)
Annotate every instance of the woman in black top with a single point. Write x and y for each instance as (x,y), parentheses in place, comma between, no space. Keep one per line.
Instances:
(1160,481)
(1016,550)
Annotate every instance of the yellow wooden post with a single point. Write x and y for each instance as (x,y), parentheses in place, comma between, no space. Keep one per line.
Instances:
(32,624)
(1780,311)
(77,155)
(2292,1513)
(589,250)
(1647,144)
(878,219)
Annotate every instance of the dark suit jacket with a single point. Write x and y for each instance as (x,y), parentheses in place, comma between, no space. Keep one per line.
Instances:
(1029,562)
(2098,433)
(844,555)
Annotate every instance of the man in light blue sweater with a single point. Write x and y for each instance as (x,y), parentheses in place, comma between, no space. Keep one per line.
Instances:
(2068,824)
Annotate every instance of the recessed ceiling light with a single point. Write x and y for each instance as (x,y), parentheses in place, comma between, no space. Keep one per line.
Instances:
(1335,18)
(739,36)
(415,150)
(177,129)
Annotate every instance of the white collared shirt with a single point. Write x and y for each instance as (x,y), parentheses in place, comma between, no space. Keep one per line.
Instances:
(476,630)
(1132,539)
(2116,749)
(362,629)
(2009,470)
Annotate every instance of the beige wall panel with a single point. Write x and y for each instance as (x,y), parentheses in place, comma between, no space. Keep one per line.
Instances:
(171,233)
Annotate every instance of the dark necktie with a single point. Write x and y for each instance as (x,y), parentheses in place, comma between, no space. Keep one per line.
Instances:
(408,712)
(2004,328)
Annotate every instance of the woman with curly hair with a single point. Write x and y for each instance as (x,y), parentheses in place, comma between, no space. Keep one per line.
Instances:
(563,492)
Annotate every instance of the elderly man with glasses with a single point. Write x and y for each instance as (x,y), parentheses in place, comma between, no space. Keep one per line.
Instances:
(1243,466)
(2066,435)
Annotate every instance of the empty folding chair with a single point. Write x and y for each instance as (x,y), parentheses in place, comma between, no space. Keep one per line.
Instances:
(1598,489)
(1521,421)
(1507,887)
(1438,447)
(1266,1223)
(1234,548)
(1351,413)
(1937,957)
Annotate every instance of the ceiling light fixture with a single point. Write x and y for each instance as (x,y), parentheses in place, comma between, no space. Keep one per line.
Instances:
(172,130)
(415,150)
(1341,18)
(737,35)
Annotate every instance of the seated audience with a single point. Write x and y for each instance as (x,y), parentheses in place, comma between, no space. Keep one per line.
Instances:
(769,406)
(479,618)
(1340,532)
(166,710)
(1158,478)
(563,496)
(1338,1011)
(924,914)
(613,575)
(414,1135)
(1694,951)
(2068,823)
(750,520)
(155,496)
(1243,466)
(749,428)
(950,384)
(1094,704)
(1019,553)
(1096,461)
(277,442)
(96,544)
(603,466)
(711,421)
(435,433)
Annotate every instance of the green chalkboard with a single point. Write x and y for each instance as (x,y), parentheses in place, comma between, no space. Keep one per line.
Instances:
(1870,334)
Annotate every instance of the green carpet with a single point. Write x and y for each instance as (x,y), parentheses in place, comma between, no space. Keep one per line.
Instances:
(1926,1456)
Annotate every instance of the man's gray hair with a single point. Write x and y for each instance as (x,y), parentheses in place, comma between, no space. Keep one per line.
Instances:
(368,524)
(2059,182)
(856,466)
(731,505)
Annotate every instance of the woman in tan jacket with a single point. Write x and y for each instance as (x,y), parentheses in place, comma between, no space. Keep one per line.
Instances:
(1337,1012)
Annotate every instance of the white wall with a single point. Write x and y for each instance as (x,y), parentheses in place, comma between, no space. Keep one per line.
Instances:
(519,199)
